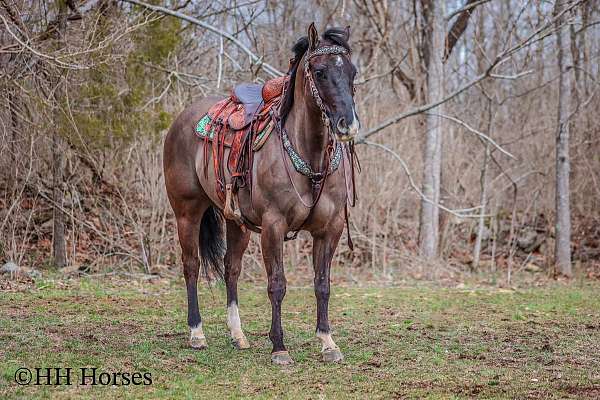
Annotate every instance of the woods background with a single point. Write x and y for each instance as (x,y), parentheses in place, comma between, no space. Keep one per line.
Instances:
(467,186)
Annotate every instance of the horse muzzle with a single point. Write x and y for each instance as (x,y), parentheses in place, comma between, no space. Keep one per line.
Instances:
(346,133)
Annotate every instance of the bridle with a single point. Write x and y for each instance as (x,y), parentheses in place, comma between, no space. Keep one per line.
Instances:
(334,148)
(333,152)
(325,50)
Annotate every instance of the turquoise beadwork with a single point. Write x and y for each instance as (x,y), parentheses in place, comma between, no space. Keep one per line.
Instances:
(302,166)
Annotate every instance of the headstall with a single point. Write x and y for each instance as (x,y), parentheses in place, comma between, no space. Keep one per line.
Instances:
(329,50)
(300,165)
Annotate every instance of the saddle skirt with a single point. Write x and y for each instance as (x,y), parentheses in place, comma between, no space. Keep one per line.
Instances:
(242,122)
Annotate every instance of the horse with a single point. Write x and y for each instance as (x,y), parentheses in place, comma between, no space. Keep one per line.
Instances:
(298,180)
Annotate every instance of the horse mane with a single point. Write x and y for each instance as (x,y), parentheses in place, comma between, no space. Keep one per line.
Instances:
(334,35)
(300,47)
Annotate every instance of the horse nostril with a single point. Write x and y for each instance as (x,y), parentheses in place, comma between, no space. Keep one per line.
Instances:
(341,125)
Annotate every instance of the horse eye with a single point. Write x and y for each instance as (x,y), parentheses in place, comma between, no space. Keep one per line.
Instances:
(319,74)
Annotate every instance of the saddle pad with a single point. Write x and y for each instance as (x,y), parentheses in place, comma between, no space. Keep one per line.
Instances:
(205,130)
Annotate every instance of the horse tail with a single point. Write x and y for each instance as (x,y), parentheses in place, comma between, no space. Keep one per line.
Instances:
(212,243)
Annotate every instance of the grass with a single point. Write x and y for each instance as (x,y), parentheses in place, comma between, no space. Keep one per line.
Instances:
(398,342)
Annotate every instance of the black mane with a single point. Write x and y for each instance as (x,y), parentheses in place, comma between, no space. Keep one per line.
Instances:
(333,35)
(300,47)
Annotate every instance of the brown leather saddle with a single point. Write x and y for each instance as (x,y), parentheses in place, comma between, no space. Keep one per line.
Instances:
(249,103)
(242,123)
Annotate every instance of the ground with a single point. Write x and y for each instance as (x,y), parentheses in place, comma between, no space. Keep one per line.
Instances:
(418,342)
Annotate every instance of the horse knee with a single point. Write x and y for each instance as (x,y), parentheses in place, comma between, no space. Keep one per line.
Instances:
(277,289)
(232,272)
(191,267)
(321,288)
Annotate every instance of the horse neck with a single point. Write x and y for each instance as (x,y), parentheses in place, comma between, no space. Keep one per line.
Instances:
(306,129)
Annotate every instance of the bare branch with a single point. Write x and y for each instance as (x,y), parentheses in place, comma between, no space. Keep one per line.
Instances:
(418,110)
(457,213)
(475,131)
(269,69)
(501,58)
(469,6)
(511,77)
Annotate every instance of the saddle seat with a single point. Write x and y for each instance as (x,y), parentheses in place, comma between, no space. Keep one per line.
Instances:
(256,100)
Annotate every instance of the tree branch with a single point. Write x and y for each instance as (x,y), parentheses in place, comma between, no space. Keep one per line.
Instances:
(475,131)
(502,57)
(457,213)
(467,7)
(269,69)
(418,110)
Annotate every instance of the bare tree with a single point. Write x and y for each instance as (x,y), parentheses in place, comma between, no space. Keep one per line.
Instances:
(437,47)
(433,23)
(59,243)
(86,100)
(562,251)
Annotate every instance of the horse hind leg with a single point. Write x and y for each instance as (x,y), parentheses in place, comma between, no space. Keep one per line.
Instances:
(237,242)
(188,229)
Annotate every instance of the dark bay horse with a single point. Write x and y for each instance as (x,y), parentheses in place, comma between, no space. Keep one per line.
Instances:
(316,121)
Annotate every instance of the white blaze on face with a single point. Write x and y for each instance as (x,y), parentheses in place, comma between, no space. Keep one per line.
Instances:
(339,61)
(326,341)
(233,320)
(197,332)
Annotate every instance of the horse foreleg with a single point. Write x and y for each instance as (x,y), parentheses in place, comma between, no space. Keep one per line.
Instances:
(324,246)
(271,241)
(237,242)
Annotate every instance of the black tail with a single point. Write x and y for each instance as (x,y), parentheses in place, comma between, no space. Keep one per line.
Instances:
(212,243)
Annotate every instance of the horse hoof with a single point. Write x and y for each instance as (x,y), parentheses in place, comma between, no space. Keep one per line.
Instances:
(281,358)
(332,356)
(241,343)
(198,343)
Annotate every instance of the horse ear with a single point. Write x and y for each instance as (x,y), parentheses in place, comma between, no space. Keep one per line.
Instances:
(313,36)
(347,33)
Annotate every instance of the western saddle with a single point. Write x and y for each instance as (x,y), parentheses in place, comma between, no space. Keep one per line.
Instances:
(242,122)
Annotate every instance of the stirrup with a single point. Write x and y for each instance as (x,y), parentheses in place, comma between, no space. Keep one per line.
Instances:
(231,209)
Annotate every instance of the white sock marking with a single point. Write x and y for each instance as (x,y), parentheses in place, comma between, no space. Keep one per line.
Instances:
(196,332)
(233,321)
(326,340)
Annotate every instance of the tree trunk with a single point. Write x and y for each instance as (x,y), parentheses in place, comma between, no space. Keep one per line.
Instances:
(14,165)
(432,157)
(483,194)
(562,250)
(59,245)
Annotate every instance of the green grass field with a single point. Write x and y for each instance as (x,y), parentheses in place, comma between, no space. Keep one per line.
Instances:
(398,342)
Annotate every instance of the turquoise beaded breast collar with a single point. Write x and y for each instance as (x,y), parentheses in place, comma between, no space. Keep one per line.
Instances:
(302,166)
